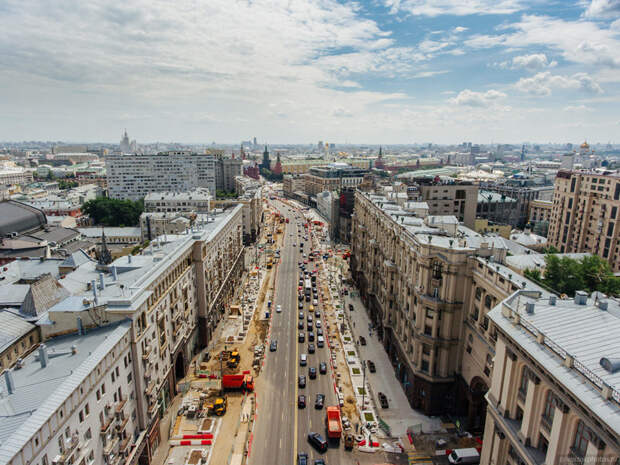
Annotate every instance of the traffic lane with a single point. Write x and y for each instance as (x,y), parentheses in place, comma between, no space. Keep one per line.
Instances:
(274,435)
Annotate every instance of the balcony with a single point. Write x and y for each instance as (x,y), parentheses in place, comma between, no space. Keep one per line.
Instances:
(146,354)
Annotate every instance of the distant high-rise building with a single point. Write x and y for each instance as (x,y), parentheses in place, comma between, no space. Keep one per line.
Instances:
(585,213)
(523,152)
(124,144)
(320,146)
(255,143)
(133,176)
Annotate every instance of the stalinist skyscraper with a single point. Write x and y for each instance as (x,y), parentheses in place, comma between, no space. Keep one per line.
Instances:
(124,145)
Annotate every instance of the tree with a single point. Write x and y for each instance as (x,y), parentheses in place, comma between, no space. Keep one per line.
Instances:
(114,212)
(566,275)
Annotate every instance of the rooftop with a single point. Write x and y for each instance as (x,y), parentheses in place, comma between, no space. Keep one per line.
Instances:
(12,327)
(39,392)
(582,329)
(197,194)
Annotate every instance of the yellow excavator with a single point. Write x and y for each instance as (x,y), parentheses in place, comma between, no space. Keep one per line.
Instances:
(219,406)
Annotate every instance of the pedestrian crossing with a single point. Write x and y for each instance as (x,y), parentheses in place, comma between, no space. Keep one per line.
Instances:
(418,458)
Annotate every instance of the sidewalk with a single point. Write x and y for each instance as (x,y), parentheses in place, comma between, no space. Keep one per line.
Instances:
(399,415)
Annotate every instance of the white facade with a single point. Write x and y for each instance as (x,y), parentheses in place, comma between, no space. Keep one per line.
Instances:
(144,317)
(197,200)
(133,176)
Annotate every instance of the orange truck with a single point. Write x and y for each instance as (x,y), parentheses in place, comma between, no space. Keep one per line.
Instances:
(334,424)
(244,382)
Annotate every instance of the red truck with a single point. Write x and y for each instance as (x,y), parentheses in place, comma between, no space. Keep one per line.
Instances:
(334,424)
(244,382)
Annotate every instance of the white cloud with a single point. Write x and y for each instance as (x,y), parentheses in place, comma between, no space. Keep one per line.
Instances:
(477,99)
(458,29)
(544,83)
(577,108)
(453,7)
(533,62)
(603,9)
(426,74)
(581,41)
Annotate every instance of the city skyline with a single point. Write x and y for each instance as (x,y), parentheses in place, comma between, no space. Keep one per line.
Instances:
(405,71)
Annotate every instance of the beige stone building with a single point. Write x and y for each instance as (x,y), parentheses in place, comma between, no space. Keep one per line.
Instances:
(429,288)
(17,338)
(555,392)
(585,214)
(291,184)
(540,210)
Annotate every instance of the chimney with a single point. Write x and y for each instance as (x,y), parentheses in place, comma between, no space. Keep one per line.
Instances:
(529,307)
(581,298)
(93,286)
(603,304)
(114,273)
(80,327)
(43,357)
(552,300)
(101,281)
(10,382)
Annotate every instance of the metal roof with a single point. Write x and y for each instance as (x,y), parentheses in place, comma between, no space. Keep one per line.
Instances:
(585,332)
(39,392)
(12,328)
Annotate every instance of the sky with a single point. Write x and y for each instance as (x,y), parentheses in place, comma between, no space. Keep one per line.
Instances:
(299,71)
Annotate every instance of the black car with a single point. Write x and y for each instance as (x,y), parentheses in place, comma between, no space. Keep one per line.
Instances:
(371,366)
(301,305)
(301,337)
(323,368)
(310,336)
(273,346)
(317,314)
(302,381)
(301,401)
(319,402)
(300,297)
(362,340)
(383,400)
(312,372)
(351,307)
(301,315)
(311,348)
(307,297)
(319,332)
(302,457)
(300,325)
(317,441)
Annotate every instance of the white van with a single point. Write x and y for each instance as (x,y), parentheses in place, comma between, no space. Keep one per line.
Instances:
(320,341)
(464,456)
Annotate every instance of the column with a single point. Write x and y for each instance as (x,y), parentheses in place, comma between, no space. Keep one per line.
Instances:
(509,383)
(527,424)
(498,371)
(489,440)
(557,438)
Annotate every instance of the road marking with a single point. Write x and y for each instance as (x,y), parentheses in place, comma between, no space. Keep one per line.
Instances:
(295,397)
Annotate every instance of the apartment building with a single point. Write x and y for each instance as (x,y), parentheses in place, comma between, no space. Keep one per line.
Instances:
(226,170)
(540,211)
(585,214)
(332,177)
(292,184)
(197,200)
(523,194)
(122,339)
(555,392)
(446,197)
(133,176)
(497,208)
(17,337)
(429,284)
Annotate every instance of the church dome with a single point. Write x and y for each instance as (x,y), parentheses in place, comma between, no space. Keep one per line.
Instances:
(585,145)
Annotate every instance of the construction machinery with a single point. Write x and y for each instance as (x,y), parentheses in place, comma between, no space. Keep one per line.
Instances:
(234,359)
(218,407)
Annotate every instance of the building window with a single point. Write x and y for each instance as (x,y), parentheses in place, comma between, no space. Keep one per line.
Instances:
(488,301)
(580,443)
(523,384)
(549,410)
(437,270)
(478,293)
(425,366)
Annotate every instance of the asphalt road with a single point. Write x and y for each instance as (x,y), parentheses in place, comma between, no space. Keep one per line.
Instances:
(281,428)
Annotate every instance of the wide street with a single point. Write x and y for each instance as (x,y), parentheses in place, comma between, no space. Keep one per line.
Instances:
(281,428)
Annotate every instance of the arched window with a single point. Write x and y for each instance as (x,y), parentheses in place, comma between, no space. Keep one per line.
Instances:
(437,269)
(478,293)
(523,383)
(580,443)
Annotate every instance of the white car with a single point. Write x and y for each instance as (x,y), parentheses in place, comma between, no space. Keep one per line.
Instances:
(279,309)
